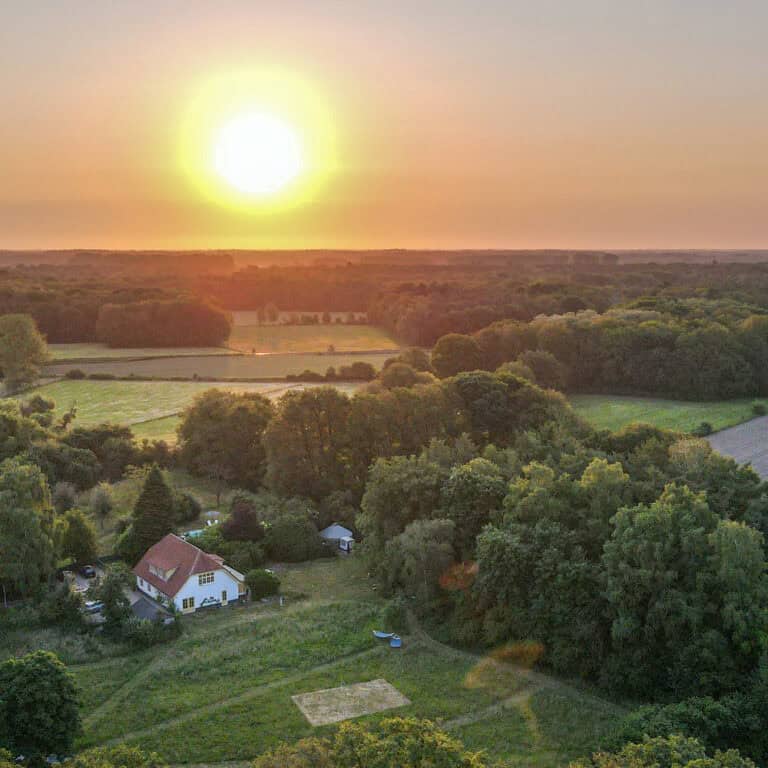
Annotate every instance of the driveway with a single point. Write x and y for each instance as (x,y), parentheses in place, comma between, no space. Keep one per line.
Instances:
(746,443)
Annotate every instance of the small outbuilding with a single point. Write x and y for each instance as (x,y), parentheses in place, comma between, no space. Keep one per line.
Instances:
(339,536)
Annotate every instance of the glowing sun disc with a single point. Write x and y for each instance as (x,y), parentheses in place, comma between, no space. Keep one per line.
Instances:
(257,153)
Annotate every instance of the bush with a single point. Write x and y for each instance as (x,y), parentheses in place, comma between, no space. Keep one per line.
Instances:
(262,583)
(186,508)
(63,497)
(142,633)
(246,556)
(394,615)
(293,538)
(704,429)
(75,373)
(102,376)
(62,607)
(122,524)
(759,409)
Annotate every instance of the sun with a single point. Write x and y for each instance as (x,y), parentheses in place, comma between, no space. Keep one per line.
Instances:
(257,153)
(258,142)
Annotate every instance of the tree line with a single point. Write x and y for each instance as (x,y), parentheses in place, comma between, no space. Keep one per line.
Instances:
(686,349)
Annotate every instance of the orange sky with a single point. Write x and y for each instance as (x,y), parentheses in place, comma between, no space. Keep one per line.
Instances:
(456,124)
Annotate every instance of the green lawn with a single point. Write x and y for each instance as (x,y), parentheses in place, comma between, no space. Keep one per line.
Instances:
(616,411)
(310,338)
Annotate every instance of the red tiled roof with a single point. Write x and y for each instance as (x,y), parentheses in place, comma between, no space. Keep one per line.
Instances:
(172,552)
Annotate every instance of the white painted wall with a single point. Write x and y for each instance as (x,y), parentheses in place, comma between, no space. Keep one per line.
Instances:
(221,581)
(148,589)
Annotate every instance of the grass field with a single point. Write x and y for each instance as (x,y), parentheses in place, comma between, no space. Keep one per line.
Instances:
(222,692)
(134,402)
(233,366)
(615,411)
(309,338)
(93,351)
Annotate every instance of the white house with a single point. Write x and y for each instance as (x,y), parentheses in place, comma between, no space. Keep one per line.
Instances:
(339,535)
(173,571)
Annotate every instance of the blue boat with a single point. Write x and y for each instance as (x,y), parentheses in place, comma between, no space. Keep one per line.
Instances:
(382,635)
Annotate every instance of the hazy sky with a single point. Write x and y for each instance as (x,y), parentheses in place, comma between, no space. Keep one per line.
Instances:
(483,123)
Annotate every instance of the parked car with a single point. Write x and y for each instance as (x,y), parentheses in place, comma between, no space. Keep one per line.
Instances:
(88,572)
(93,606)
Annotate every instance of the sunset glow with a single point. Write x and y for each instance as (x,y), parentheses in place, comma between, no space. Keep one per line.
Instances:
(499,125)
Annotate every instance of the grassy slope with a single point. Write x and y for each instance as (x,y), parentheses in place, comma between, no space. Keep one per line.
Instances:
(223,690)
(616,411)
(309,338)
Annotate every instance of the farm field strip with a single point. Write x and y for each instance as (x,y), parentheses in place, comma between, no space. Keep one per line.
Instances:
(234,366)
(616,411)
(94,352)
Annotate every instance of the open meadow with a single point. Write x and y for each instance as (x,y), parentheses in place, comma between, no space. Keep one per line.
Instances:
(150,408)
(616,411)
(222,692)
(310,338)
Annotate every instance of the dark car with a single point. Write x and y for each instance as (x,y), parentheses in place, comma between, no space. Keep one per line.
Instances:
(88,572)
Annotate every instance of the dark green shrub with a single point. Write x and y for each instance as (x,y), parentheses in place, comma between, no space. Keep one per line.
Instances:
(704,429)
(246,556)
(759,409)
(142,633)
(186,508)
(62,607)
(394,615)
(75,373)
(262,583)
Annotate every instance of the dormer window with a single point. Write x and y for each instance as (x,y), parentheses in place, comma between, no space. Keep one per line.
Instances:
(160,573)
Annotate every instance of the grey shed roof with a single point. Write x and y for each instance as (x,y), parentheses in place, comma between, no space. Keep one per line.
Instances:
(144,608)
(335,531)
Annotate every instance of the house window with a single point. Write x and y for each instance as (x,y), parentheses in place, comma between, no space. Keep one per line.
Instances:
(205,578)
(187,603)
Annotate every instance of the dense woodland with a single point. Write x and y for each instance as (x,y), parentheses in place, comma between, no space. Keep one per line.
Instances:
(419,297)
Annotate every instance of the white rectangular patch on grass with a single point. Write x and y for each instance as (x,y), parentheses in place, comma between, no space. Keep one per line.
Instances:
(332,705)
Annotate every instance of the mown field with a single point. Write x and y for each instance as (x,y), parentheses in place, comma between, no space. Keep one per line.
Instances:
(309,338)
(92,352)
(265,366)
(149,407)
(223,690)
(615,411)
